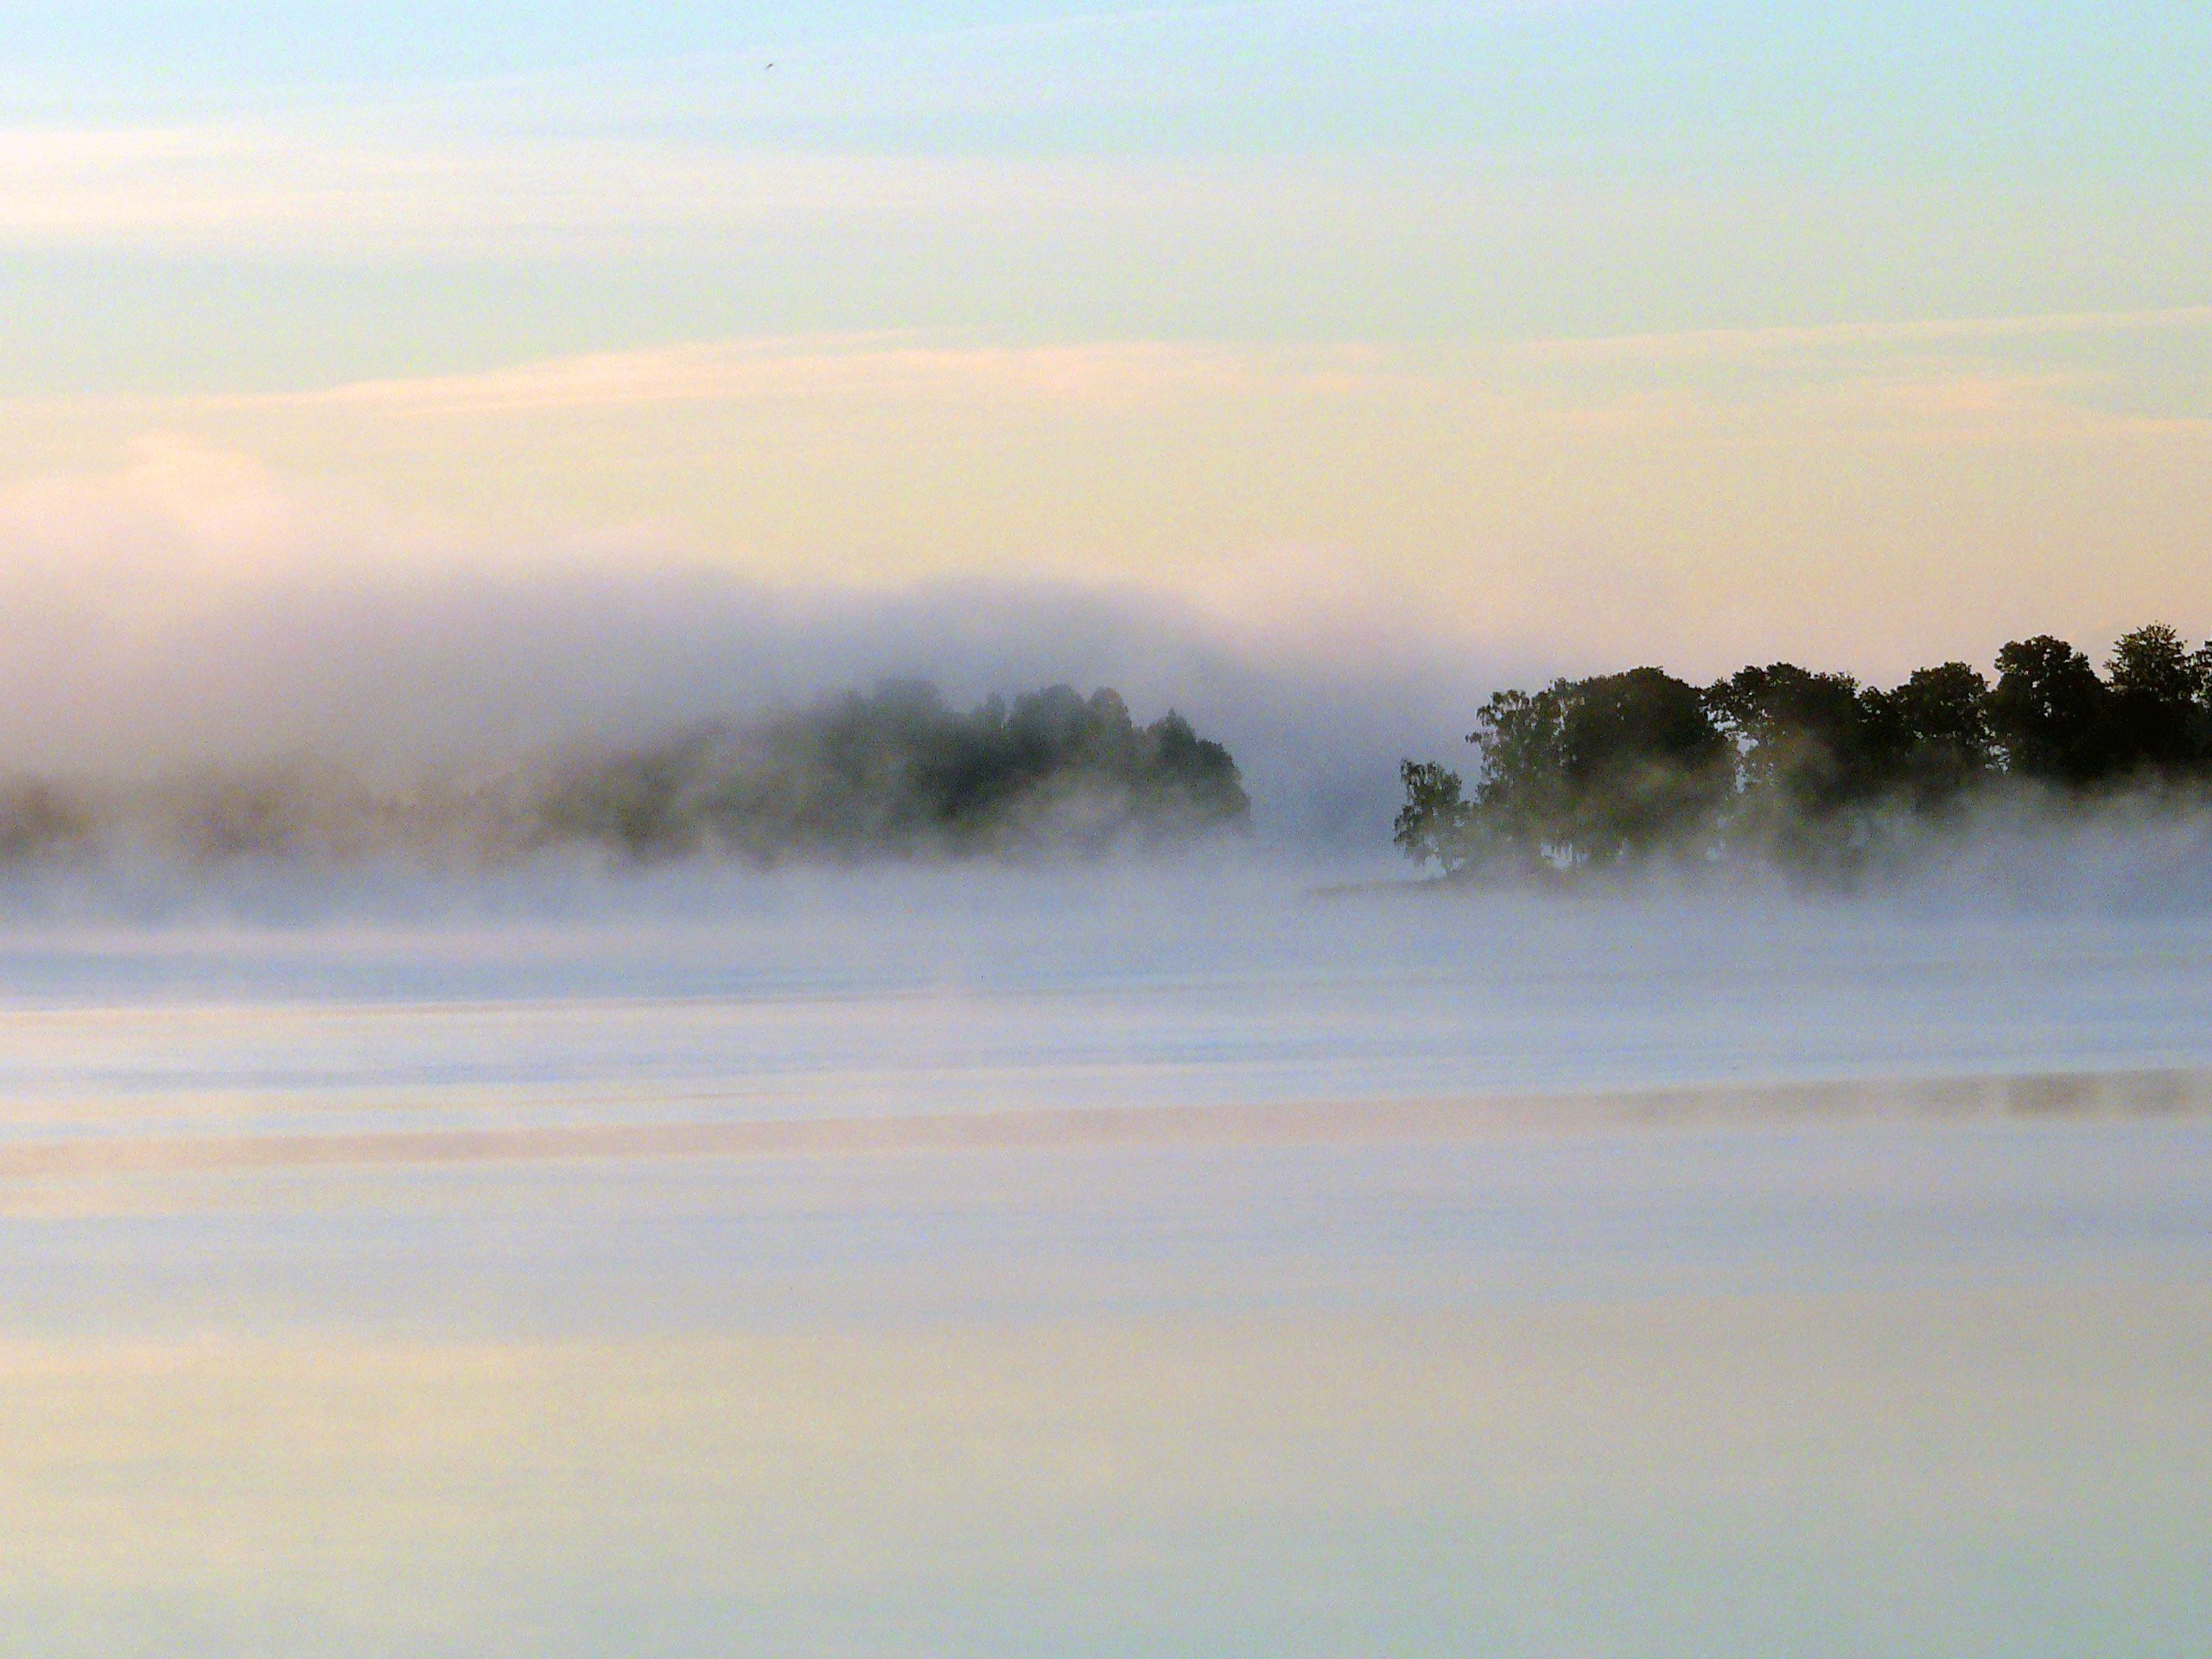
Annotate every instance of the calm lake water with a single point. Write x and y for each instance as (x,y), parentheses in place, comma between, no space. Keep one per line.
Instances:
(1344,1275)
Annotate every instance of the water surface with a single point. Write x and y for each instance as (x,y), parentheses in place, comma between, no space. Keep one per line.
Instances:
(1336,1276)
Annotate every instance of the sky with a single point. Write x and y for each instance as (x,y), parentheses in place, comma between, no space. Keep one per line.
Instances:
(1540,336)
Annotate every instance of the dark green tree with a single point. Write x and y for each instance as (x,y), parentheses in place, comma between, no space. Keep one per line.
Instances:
(2050,714)
(898,770)
(1600,771)
(1806,768)
(1520,813)
(1432,826)
(633,801)
(1805,748)
(1176,779)
(2158,720)
(1932,733)
(1645,766)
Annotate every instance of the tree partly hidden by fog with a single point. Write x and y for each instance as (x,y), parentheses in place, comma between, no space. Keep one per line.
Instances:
(898,770)
(895,771)
(1809,770)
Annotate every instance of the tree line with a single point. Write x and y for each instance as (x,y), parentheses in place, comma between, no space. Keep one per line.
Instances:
(1806,768)
(899,769)
(895,771)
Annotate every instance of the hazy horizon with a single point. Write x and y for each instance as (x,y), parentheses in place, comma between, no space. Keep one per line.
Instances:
(203,611)
(512,1142)
(1400,350)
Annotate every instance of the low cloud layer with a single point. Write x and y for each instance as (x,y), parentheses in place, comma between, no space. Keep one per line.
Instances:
(191,611)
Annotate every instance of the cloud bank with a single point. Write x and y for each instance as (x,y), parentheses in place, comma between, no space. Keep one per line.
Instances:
(194,611)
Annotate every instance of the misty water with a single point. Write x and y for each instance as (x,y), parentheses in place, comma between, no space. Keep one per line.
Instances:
(1201,1260)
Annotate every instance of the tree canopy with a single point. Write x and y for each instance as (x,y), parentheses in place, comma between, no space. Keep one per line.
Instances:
(1803,766)
(897,769)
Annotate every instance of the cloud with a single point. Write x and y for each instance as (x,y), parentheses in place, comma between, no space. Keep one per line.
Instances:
(1079,122)
(1712,343)
(892,367)
(262,186)
(1344,507)
(194,608)
(1891,382)
(2046,379)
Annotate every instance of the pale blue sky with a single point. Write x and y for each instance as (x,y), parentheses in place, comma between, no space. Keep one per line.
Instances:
(2031,94)
(1475,172)
(1786,314)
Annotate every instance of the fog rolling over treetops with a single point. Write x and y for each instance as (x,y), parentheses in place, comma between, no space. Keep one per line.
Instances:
(269,665)
(281,681)
(899,770)
(895,770)
(1811,771)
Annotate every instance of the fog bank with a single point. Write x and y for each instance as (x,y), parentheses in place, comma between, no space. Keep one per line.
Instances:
(191,613)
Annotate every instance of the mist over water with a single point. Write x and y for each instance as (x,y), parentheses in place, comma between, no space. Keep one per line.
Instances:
(193,638)
(193,614)
(895,1260)
(1240,1245)
(1222,978)
(472,683)
(968,832)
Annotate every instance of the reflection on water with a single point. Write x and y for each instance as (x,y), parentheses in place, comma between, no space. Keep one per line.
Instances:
(1313,1299)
